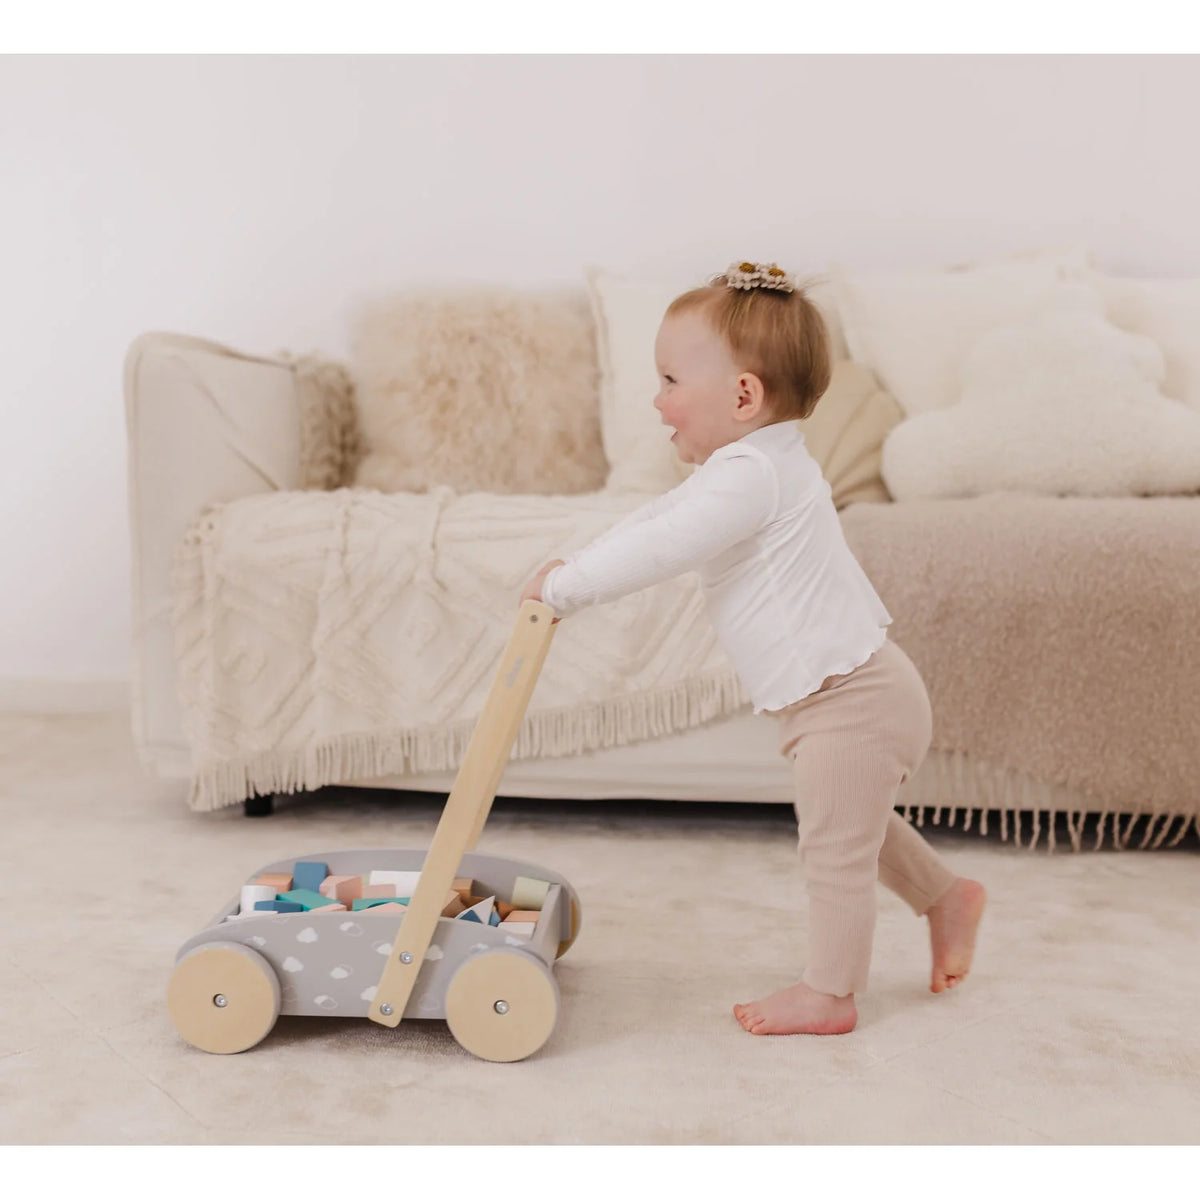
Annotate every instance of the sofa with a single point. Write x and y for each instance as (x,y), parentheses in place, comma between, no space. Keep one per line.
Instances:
(327,555)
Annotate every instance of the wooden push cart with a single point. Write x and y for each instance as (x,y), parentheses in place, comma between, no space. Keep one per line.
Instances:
(496,992)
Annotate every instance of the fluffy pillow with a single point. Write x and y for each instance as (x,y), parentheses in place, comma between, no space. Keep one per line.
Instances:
(627,315)
(480,389)
(1168,311)
(1061,404)
(914,329)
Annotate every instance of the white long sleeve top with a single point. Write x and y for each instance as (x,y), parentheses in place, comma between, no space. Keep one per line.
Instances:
(788,600)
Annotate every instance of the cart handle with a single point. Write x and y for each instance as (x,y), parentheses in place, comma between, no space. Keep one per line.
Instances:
(467,806)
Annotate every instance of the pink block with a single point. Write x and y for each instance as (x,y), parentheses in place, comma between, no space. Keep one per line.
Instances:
(375,891)
(334,907)
(388,908)
(342,888)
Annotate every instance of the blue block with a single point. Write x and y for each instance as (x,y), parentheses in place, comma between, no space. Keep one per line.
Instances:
(494,919)
(279,906)
(469,916)
(308,876)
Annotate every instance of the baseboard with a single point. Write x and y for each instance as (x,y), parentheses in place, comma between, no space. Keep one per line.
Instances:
(64,695)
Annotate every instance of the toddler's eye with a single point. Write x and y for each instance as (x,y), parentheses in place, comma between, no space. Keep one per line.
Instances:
(668,379)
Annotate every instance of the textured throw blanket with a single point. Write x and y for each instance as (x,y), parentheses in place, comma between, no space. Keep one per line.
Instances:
(1057,636)
(350,634)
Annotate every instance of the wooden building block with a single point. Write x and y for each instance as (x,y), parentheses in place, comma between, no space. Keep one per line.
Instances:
(279,906)
(278,880)
(519,915)
(373,891)
(307,876)
(529,893)
(389,906)
(342,888)
(362,904)
(453,906)
(252,893)
(405,882)
(480,912)
(464,885)
(306,899)
(332,906)
(504,908)
(518,928)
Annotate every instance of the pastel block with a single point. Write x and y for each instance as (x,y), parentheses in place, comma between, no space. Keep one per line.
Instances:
(279,906)
(494,919)
(278,880)
(362,904)
(252,893)
(520,915)
(453,906)
(518,928)
(342,888)
(308,876)
(464,885)
(405,882)
(529,893)
(504,908)
(373,891)
(389,906)
(305,898)
(332,906)
(481,912)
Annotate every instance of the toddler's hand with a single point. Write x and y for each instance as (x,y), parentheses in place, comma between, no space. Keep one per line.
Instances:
(533,589)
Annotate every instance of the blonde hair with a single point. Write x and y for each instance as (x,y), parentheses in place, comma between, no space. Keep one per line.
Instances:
(778,335)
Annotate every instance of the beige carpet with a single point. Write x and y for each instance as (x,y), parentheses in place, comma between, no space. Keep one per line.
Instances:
(1079,1023)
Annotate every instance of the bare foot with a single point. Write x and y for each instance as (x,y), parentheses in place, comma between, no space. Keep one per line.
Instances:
(953,921)
(798,1009)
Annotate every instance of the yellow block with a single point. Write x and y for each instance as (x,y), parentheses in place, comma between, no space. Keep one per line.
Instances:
(529,893)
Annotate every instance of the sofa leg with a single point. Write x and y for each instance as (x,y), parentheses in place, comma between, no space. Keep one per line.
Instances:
(259,806)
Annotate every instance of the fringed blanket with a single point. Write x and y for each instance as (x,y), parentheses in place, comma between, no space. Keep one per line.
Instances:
(1058,637)
(351,634)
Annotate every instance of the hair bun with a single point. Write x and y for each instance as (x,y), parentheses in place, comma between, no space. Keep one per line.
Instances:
(748,275)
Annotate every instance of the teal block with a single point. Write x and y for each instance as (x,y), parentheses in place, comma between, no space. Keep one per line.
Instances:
(305,898)
(308,876)
(374,901)
(279,906)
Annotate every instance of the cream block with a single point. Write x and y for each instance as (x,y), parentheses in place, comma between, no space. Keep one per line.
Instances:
(252,892)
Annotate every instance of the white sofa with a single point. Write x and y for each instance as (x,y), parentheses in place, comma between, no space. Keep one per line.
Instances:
(212,426)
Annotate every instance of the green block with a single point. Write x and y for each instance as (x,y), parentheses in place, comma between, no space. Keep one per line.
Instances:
(308,899)
(375,901)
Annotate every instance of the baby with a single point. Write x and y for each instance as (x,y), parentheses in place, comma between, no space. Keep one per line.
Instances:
(739,361)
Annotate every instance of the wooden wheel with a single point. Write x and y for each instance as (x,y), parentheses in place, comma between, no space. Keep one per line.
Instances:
(223,997)
(563,947)
(502,1005)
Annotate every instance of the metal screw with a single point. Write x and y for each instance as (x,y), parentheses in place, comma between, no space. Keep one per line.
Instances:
(406,957)
(386,1009)
(220,1000)
(501,1006)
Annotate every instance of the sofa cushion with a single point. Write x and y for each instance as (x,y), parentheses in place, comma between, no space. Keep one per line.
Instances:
(1062,404)
(914,328)
(479,389)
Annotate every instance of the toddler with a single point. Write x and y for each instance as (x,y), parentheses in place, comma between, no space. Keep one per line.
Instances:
(739,361)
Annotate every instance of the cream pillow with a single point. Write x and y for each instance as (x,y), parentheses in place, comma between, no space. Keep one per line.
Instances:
(627,315)
(913,329)
(1064,403)
(1168,311)
(479,389)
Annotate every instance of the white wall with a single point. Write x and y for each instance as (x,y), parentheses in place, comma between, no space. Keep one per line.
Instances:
(255,200)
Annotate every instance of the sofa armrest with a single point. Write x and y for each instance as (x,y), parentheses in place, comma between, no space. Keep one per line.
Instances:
(205,425)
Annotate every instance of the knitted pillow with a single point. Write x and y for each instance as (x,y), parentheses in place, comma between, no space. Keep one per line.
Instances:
(479,389)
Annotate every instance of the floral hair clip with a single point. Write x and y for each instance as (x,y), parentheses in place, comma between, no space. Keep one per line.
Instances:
(750,275)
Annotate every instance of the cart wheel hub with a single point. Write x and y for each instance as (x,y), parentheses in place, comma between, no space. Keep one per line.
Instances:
(501,1006)
(220,1000)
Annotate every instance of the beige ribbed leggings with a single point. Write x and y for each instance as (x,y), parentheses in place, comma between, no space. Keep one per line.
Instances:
(852,743)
